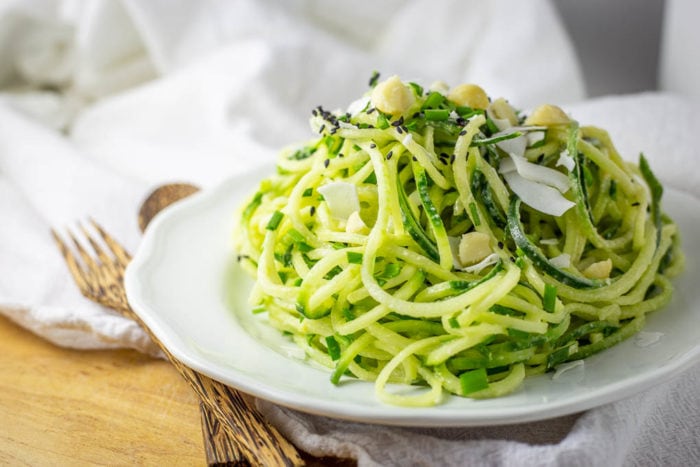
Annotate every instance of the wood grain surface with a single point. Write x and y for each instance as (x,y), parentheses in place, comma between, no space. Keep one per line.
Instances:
(68,407)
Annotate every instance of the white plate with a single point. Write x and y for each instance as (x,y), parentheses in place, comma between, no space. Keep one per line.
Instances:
(185,284)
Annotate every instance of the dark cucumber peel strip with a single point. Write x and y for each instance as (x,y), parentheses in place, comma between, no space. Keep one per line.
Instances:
(515,228)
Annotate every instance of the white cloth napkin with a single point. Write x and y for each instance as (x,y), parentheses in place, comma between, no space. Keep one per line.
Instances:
(102,100)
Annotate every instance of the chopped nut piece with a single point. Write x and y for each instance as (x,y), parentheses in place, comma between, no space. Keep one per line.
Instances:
(502,110)
(547,115)
(392,96)
(469,95)
(599,270)
(473,247)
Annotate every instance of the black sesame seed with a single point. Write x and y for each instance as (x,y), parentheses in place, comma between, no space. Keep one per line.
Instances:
(415,159)
(398,122)
(372,145)
(340,154)
(463,132)
(636,203)
(500,245)
(326,162)
(389,155)
(323,127)
(370,110)
(312,210)
(452,159)
(399,130)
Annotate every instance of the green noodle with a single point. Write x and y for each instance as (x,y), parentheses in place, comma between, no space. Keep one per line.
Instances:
(386,298)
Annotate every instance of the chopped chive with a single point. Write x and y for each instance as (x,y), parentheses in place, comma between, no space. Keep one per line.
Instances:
(275,220)
(333,348)
(491,126)
(298,281)
(475,214)
(373,79)
(382,122)
(282,275)
(436,115)
(308,192)
(252,206)
(550,297)
(333,272)
(259,309)
(434,100)
(354,257)
(453,322)
(612,191)
(304,247)
(303,153)
(558,356)
(391,270)
(295,236)
(474,380)
(417,88)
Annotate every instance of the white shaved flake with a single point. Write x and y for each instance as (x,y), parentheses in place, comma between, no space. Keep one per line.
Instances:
(561,261)
(514,146)
(549,241)
(408,139)
(538,196)
(534,137)
(484,263)
(541,174)
(565,160)
(341,198)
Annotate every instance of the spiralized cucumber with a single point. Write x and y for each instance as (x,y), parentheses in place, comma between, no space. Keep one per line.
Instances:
(425,240)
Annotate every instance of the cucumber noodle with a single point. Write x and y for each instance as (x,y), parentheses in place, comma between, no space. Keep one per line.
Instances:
(383,296)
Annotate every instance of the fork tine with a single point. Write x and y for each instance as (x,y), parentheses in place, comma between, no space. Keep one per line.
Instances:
(104,258)
(74,268)
(119,252)
(88,260)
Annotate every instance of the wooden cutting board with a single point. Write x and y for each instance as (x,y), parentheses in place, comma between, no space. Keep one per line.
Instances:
(67,407)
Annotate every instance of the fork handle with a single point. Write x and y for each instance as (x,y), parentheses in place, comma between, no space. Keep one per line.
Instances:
(258,443)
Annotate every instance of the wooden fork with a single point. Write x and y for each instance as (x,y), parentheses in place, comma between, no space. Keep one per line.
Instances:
(234,431)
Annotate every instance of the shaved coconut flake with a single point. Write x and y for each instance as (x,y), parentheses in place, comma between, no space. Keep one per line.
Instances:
(484,263)
(565,160)
(356,107)
(534,137)
(501,123)
(408,139)
(561,261)
(507,165)
(549,241)
(541,174)
(515,146)
(341,198)
(538,196)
